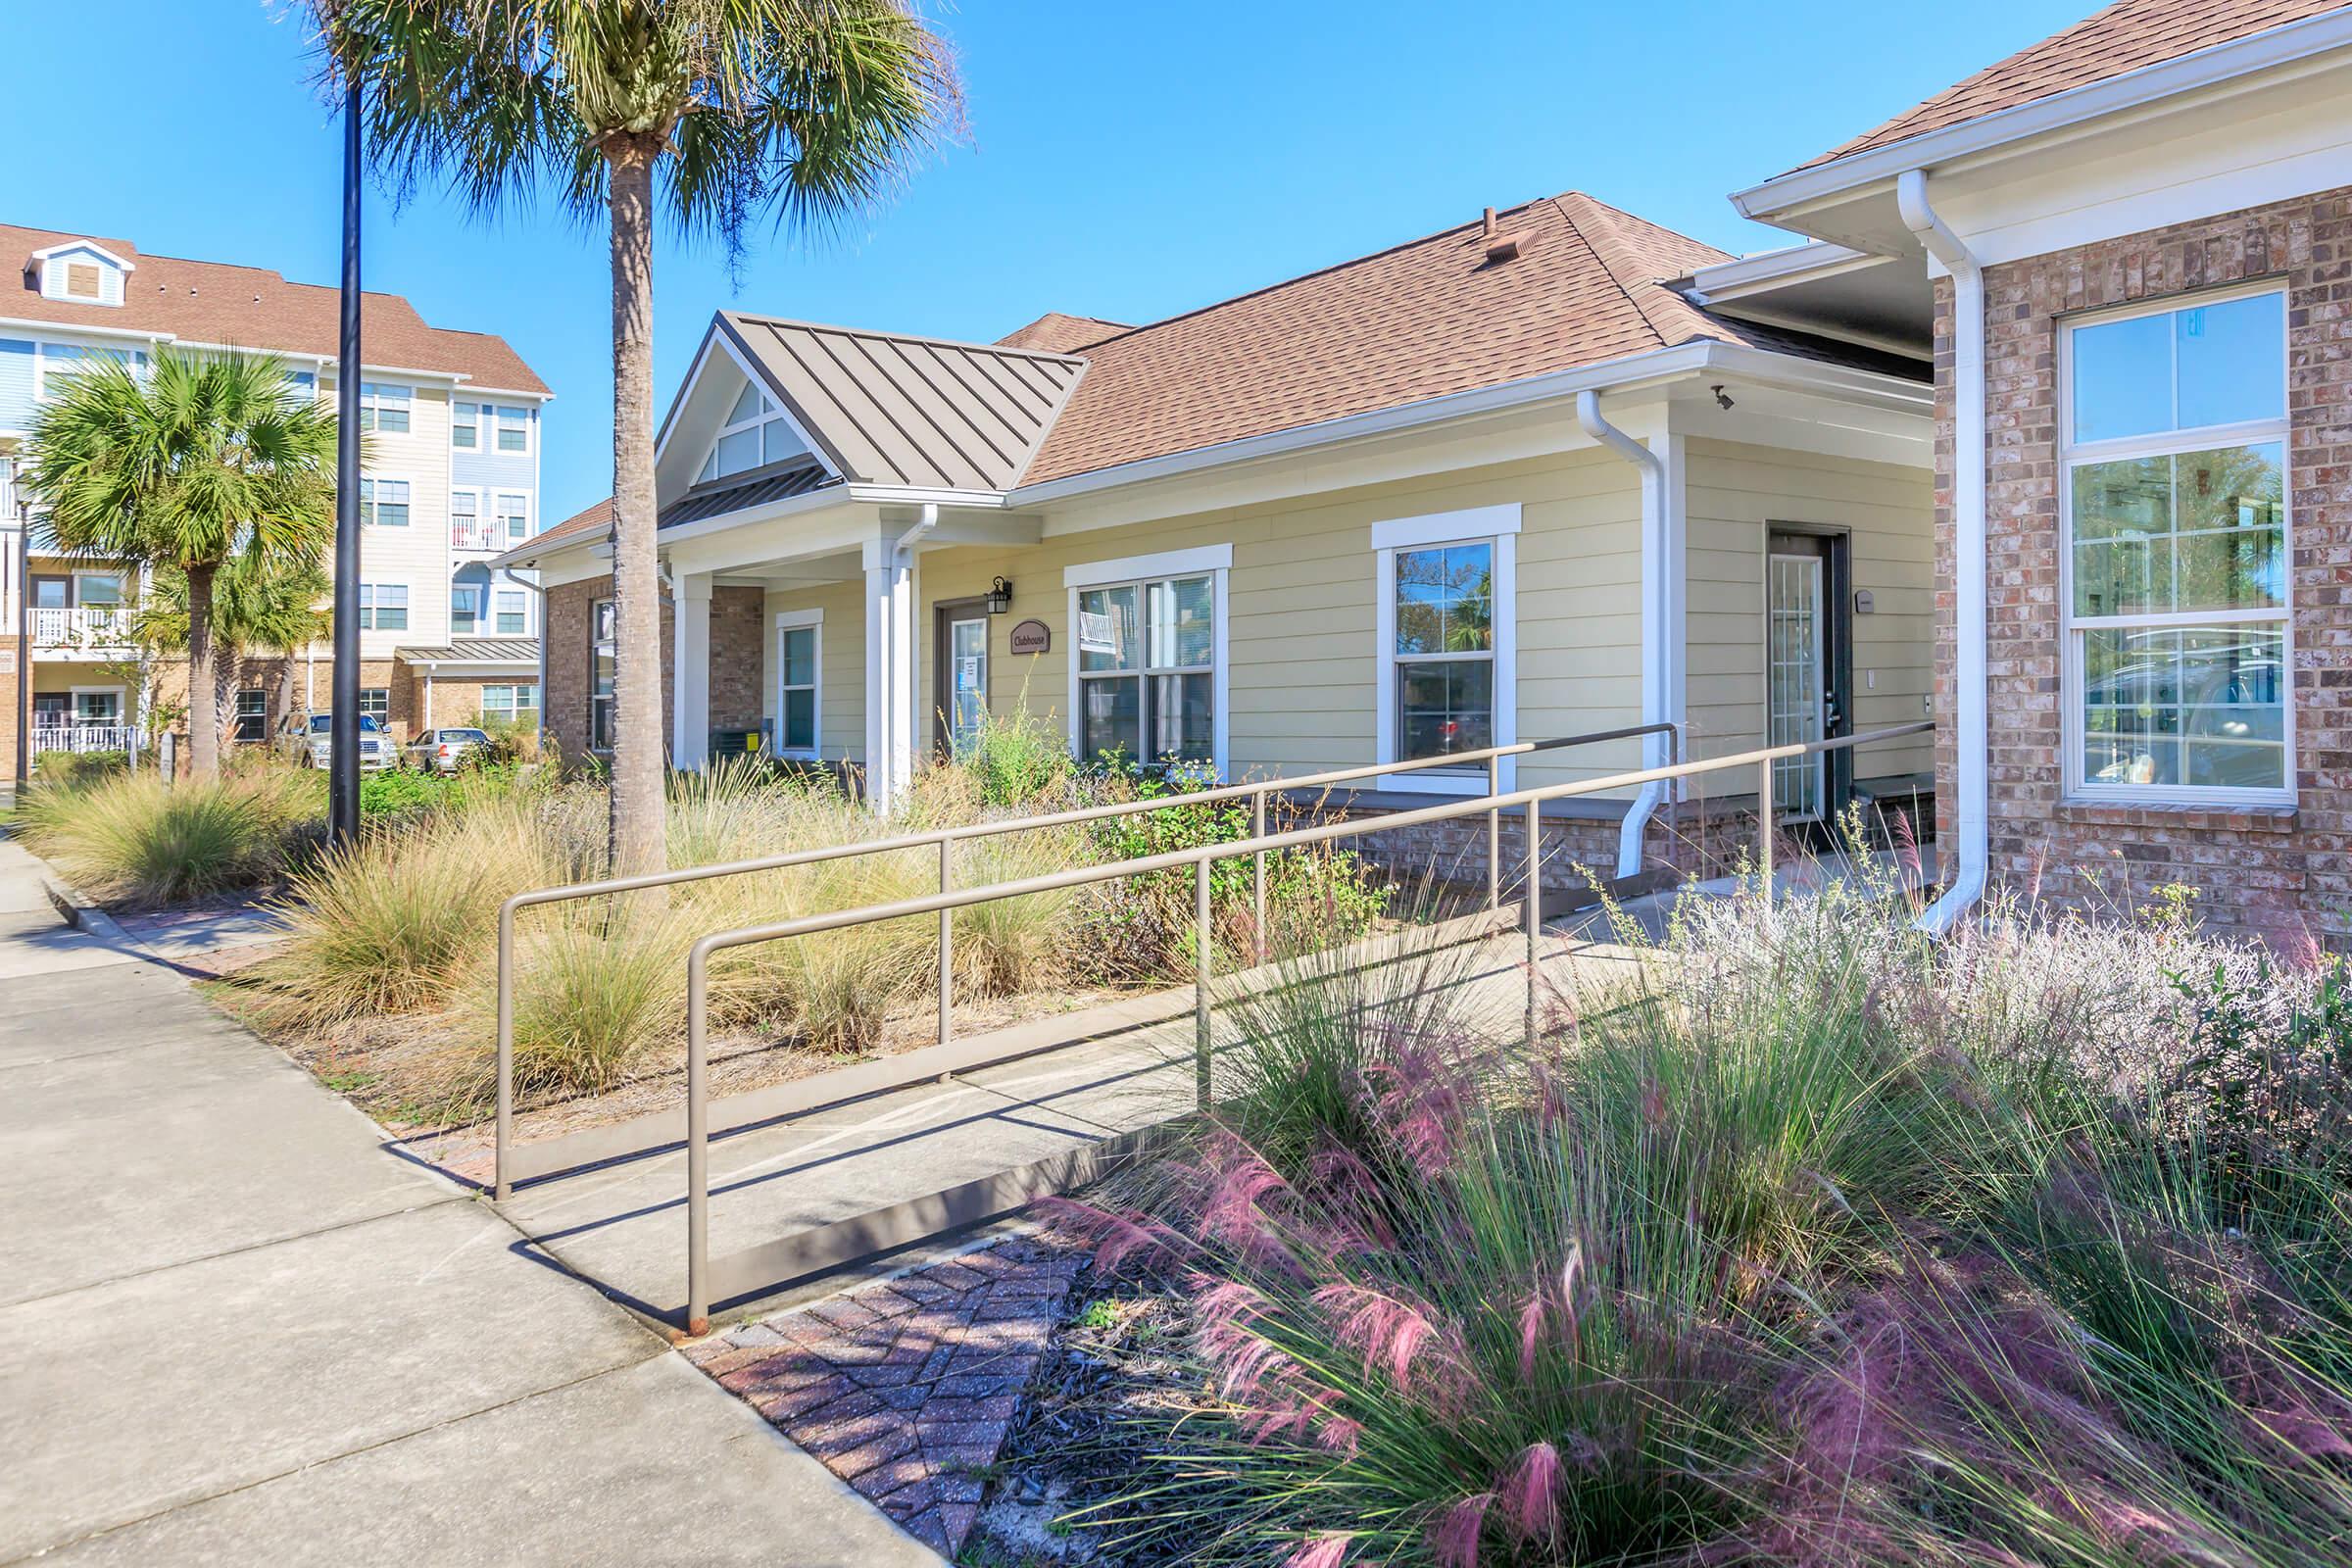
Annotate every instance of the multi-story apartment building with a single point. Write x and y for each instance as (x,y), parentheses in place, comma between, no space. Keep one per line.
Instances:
(454,421)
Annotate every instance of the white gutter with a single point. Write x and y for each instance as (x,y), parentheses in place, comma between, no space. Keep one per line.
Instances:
(1971,728)
(1661,591)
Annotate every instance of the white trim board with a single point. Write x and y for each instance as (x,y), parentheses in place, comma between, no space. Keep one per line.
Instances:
(1162,563)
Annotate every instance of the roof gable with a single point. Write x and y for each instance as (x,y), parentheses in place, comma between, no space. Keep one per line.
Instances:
(2126,36)
(898,409)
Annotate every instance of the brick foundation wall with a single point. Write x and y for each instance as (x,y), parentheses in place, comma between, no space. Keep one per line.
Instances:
(2283,873)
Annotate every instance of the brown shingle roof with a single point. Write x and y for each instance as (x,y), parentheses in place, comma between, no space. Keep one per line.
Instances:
(1422,320)
(251,308)
(2124,37)
(595,521)
(1056,333)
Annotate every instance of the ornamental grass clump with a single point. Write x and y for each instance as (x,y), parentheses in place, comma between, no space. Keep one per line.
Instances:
(131,839)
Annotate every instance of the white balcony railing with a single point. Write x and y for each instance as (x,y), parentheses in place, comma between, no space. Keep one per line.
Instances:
(483,535)
(85,738)
(84,626)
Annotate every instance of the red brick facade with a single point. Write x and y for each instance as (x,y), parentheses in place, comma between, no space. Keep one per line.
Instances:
(2283,872)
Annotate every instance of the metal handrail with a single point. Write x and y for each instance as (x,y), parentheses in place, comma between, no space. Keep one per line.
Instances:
(1201,858)
(944,839)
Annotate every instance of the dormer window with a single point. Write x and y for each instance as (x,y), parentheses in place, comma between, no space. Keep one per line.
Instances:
(756,432)
(81,272)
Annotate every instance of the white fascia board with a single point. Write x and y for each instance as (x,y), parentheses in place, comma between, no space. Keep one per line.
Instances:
(484,666)
(90,245)
(1761,274)
(77,328)
(893,495)
(751,517)
(2277,46)
(517,393)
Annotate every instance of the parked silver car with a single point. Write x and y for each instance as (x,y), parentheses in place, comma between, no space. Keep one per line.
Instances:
(376,746)
(445,750)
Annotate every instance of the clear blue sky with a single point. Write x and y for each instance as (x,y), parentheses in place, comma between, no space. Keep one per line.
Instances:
(1125,160)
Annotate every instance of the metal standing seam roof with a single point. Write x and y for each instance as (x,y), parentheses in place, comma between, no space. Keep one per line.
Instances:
(899,410)
(740,490)
(475,649)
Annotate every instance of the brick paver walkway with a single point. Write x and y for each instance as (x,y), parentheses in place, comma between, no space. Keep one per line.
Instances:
(905,1389)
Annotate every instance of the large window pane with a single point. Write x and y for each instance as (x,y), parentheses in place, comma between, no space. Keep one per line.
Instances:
(1112,720)
(1180,717)
(800,721)
(1446,599)
(1183,623)
(800,657)
(1107,630)
(2197,705)
(2200,531)
(2232,361)
(2123,377)
(1445,706)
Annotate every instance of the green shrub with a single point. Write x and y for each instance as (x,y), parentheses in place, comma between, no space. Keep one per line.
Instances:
(396,792)
(76,769)
(1014,759)
(132,839)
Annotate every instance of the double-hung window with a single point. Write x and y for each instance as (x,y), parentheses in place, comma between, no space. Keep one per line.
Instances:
(385,502)
(383,406)
(799,638)
(375,701)
(466,522)
(253,714)
(513,430)
(517,701)
(1445,641)
(465,609)
(513,616)
(465,427)
(383,607)
(602,630)
(1148,671)
(2174,488)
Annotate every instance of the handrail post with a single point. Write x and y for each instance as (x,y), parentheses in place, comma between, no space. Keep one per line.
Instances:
(698,1147)
(501,1186)
(1494,835)
(1535,907)
(1764,814)
(1257,830)
(947,943)
(1203,941)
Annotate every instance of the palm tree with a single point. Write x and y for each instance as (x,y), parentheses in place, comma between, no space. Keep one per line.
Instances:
(261,605)
(199,461)
(806,110)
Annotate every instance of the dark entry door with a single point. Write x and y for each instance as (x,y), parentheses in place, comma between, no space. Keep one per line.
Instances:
(959,676)
(1808,663)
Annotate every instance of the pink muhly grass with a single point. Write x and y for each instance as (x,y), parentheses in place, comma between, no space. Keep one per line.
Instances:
(1324,1552)
(1454,1538)
(1340,1435)
(1385,1332)
(1531,1331)
(1115,1237)
(1531,1494)
(1421,1108)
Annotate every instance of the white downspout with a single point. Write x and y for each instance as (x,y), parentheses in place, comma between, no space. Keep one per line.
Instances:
(1659,586)
(1971,737)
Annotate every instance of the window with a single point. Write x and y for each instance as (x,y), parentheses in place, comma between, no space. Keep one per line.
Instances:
(56,363)
(465,609)
(253,714)
(375,703)
(99,588)
(513,430)
(383,607)
(515,703)
(2175,568)
(385,502)
(466,522)
(513,518)
(756,432)
(1446,639)
(1147,685)
(383,406)
(798,640)
(98,707)
(601,627)
(465,430)
(514,616)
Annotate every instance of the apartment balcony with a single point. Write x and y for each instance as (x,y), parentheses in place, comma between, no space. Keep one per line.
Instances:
(82,738)
(84,628)
(478,538)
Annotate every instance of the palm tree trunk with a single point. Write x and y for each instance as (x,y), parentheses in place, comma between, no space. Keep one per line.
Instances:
(638,745)
(204,703)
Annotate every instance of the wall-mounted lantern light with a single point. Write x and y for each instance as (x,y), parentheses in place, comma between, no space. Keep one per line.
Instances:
(1000,597)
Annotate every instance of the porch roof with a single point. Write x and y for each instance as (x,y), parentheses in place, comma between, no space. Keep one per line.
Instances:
(473,650)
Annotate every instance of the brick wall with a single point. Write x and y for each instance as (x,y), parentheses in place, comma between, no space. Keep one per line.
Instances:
(566,700)
(2281,872)
(738,691)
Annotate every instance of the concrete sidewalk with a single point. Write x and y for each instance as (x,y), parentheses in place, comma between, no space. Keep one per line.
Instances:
(233,1328)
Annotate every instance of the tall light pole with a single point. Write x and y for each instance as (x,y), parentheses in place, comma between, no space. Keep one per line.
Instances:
(15,491)
(343,731)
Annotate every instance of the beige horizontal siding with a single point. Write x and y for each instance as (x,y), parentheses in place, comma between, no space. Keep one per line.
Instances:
(1733,493)
(840,667)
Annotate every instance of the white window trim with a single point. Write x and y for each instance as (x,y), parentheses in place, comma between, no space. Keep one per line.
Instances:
(122,587)
(2075,789)
(493,591)
(491,419)
(366,514)
(771,412)
(407,606)
(455,403)
(482,516)
(799,620)
(530,509)
(1496,525)
(479,615)
(1214,561)
(372,401)
(122,705)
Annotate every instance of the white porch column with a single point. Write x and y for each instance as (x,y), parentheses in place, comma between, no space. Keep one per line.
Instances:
(690,665)
(890,671)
